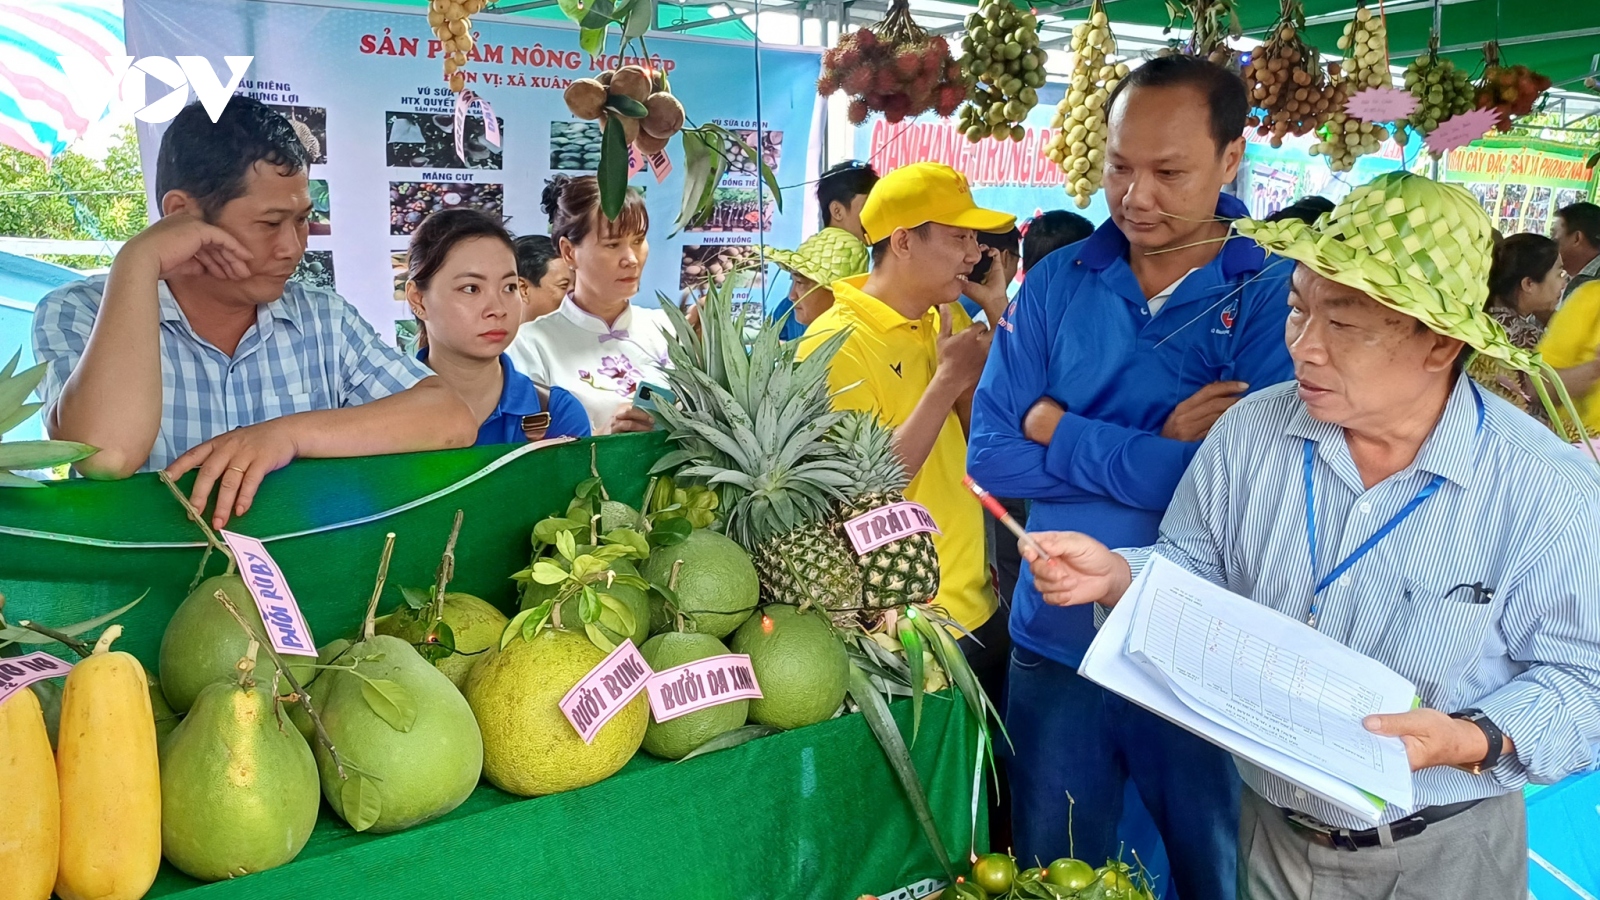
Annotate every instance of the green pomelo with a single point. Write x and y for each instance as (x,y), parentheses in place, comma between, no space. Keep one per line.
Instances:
(203,641)
(529,747)
(716,584)
(238,792)
(316,687)
(418,774)
(677,738)
(475,623)
(615,514)
(166,718)
(800,664)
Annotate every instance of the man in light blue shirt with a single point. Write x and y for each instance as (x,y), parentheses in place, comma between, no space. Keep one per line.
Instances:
(195,351)
(1388,502)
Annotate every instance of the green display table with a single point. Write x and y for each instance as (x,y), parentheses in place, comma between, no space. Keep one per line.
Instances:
(814,812)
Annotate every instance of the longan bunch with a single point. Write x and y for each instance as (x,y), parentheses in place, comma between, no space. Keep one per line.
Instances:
(1365,43)
(1287,85)
(1441,89)
(451,21)
(1079,144)
(1003,61)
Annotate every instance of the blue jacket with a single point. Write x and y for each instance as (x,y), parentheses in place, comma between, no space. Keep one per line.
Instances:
(519,397)
(1081,333)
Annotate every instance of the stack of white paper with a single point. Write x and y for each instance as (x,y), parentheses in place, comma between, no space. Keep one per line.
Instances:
(1257,683)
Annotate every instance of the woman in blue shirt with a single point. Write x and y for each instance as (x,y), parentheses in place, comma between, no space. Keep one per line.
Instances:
(462,286)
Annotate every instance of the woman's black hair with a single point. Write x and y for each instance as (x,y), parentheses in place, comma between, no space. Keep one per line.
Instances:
(1519,256)
(210,160)
(437,236)
(843,182)
(1050,231)
(573,205)
(534,252)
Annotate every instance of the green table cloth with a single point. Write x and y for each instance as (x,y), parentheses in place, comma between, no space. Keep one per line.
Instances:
(814,812)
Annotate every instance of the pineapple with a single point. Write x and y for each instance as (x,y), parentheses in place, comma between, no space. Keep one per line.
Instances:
(14,408)
(906,571)
(753,424)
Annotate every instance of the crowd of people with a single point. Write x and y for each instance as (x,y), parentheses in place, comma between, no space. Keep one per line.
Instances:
(1371,454)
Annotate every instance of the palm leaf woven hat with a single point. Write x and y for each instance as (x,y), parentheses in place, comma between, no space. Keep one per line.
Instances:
(1417,246)
(1420,248)
(827,256)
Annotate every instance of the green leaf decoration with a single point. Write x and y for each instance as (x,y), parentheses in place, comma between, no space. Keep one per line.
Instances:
(640,17)
(587,488)
(8,479)
(670,532)
(12,367)
(615,615)
(697,181)
(730,739)
(598,637)
(587,566)
(416,598)
(667,594)
(613,172)
(632,581)
(592,40)
(610,553)
(566,544)
(16,635)
(42,454)
(912,641)
(546,531)
(391,701)
(548,573)
(362,802)
(876,712)
(630,539)
(15,390)
(623,105)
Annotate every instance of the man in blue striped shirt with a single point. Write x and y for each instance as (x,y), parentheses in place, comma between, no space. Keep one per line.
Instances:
(195,351)
(1388,502)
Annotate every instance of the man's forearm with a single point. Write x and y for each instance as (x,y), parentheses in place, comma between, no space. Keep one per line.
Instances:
(1579,379)
(112,400)
(914,439)
(429,416)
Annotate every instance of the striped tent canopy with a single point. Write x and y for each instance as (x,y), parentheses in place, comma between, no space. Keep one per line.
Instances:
(42,109)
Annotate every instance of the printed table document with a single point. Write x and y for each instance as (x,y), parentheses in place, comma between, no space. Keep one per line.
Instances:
(1257,683)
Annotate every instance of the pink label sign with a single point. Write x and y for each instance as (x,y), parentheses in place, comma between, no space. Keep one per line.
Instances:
(636,161)
(887,524)
(491,125)
(18,672)
(703,683)
(605,690)
(660,166)
(286,627)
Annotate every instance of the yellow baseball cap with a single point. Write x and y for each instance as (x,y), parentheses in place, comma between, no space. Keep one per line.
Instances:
(926,192)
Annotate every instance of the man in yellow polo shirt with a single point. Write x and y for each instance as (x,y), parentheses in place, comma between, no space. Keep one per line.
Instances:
(913,356)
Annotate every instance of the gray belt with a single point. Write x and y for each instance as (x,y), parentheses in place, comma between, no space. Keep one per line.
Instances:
(1319,832)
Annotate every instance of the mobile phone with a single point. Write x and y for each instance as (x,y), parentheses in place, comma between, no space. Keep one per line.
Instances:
(647,396)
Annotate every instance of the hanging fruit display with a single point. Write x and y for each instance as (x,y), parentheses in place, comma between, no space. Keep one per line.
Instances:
(1079,144)
(451,21)
(1508,90)
(1288,87)
(638,101)
(1441,89)
(894,67)
(1002,60)
(1212,23)
(1365,43)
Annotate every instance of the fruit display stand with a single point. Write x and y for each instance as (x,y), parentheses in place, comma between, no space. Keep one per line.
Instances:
(814,812)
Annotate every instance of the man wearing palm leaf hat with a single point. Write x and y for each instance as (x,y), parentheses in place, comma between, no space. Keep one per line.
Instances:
(830,255)
(1385,500)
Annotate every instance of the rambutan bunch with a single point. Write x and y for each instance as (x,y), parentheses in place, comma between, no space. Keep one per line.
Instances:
(893,67)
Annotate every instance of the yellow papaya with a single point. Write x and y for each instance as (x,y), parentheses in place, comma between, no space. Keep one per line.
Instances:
(110,780)
(30,840)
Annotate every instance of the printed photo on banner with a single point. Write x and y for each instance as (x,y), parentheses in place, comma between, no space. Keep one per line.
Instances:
(574,146)
(412,201)
(311,124)
(420,140)
(316,270)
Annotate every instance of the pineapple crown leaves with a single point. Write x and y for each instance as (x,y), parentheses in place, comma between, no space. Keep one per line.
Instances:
(752,421)
(869,446)
(14,408)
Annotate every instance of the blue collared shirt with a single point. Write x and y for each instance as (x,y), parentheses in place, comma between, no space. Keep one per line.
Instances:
(309,350)
(1518,511)
(1082,334)
(519,396)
